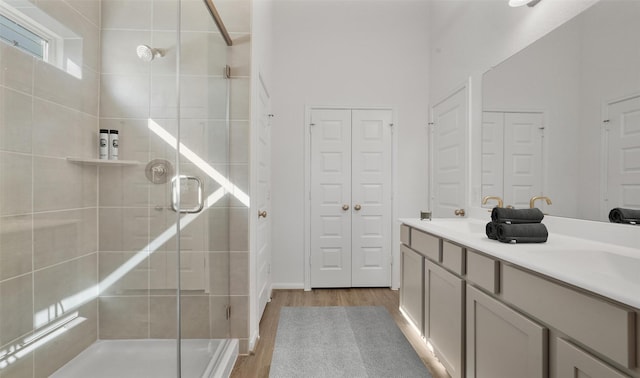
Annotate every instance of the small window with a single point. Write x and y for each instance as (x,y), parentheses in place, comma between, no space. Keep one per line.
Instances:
(23,38)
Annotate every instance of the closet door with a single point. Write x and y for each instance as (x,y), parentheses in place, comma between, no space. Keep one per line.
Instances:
(371,198)
(330,198)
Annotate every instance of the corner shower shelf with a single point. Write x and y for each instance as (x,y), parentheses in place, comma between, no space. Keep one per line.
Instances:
(103,162)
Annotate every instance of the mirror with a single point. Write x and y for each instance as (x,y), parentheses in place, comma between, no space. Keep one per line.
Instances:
(561,118)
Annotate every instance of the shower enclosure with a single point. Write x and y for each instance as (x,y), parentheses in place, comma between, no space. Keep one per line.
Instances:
(121,263)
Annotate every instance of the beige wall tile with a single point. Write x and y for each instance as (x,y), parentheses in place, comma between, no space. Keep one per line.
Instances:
(15,184)
(239,55)
(126,14)
(236,15)
(16,68)
(239,272)
(55,85)
(124,186)
(63,287)
(220,326)
(128,278)
(16,121)
(194,313)
(163,97)
(59,184)
(219,226)
(19,369)
(239,176)
(219,272)
(239,316)
(240,98)
(202,97)
(123,229)
(16,308)
(60,132)
(239,225)
(89,9)
(15,246)
(124,317)
(57,352)
(63,235)
(239,142)
(124,96)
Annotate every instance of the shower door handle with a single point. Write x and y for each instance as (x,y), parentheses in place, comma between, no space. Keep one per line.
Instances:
(174,194)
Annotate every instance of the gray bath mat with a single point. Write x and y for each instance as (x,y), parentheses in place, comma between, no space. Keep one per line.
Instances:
(342,342)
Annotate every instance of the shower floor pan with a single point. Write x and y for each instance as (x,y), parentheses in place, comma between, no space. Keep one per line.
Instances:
(152,358)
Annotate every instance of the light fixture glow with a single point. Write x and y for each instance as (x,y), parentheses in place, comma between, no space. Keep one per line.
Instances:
(519,3)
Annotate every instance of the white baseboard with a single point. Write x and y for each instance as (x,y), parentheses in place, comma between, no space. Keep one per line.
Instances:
(287,285)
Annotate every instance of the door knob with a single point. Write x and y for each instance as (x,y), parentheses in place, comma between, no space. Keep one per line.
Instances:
(262,214)
(459,212)
(345,207)
(357,207)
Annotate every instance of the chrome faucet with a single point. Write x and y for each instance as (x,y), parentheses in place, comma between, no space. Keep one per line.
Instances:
(535,198)
(487,198)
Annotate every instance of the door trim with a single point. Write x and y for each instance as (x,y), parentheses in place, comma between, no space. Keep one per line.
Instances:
(307,187)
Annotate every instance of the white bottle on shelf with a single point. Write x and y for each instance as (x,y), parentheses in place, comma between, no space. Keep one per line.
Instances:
(113,144)
(103,143)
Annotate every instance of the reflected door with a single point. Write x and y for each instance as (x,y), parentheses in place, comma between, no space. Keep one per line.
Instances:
(512,156)
(449,146)
(623,155)
(350,198)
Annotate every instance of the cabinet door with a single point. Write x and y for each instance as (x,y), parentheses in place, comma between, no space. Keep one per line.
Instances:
(443,324)
(573,362)
(501,342)
(411,285)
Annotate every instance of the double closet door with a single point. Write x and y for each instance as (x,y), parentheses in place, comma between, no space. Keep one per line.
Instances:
(350,199)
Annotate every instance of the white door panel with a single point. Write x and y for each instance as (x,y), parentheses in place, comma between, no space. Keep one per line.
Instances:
(263,245)
(449,146)
(522,158)
(623,155)
(330,183)
(371,193)
(492,155)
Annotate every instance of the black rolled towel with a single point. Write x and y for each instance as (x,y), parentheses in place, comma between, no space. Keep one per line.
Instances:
(522,233)
(621,215)
(491,231)
(515,216)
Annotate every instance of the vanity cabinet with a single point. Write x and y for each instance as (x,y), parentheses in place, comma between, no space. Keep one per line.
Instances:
(411,288)
(502,342)
(444,316)
(487,317)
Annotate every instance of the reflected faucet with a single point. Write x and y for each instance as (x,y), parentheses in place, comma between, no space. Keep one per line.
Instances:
(487,198)
(535,198)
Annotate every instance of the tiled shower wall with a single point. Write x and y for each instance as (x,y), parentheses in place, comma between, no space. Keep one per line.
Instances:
(133,212)
(48,206)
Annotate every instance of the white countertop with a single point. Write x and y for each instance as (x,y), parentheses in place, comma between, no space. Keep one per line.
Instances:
(609,270)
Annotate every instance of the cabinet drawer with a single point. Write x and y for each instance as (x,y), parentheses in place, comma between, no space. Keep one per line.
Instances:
(426,244)
(405,232)
(572,361)
(602,326)
(453,257)
(483,271)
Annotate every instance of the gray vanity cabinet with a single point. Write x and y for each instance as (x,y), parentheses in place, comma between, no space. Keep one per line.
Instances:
(572,361)
(411,264)
(501,342)
(444,317)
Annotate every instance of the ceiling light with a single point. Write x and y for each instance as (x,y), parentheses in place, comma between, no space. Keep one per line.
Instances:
(519,3)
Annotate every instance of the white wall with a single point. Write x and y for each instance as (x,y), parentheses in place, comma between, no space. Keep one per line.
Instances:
(344,53)
(469,37)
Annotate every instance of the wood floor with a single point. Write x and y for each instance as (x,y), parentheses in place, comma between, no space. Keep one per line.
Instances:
(258,364)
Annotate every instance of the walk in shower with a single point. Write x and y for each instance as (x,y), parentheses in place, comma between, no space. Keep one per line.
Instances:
(137,263)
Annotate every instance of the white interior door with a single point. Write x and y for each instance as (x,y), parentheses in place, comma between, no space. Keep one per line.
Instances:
(492,155)
(330,198)
(449,154)
(623,155)
(371,198)
(523,134)
(263,234)
(351,193)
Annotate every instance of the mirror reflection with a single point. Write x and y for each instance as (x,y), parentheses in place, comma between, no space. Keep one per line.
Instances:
(561,119)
